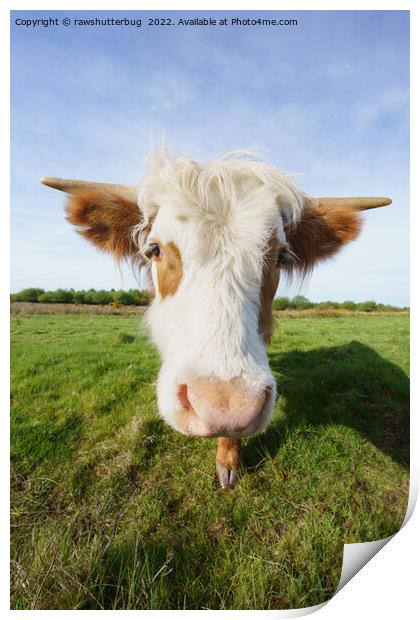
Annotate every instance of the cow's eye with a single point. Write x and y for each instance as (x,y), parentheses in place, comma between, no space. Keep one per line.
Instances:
(282,257)
(153,250)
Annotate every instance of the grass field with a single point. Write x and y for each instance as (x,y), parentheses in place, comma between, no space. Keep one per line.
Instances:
(112,509)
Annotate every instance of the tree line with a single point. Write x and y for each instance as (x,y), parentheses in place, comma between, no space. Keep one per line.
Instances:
(299,302)
(135,297)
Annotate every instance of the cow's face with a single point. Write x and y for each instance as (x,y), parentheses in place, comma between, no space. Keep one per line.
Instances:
(215,242)
(215,238)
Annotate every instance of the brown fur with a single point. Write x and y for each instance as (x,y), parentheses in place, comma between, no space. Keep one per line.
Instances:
(269,284)
(107,220)
(169,270)
(228,452)
(321,232)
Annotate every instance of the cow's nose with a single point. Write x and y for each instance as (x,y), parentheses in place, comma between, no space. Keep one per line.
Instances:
(213,407)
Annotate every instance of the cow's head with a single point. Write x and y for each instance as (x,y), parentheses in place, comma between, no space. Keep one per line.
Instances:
(216,238)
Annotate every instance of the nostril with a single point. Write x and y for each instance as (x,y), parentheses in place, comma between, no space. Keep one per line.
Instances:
(182,394)
(210,407)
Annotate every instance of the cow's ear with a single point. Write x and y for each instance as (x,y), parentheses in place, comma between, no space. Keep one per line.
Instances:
(107,219)
(321,233)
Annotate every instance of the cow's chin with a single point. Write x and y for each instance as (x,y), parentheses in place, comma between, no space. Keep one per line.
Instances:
(187,422)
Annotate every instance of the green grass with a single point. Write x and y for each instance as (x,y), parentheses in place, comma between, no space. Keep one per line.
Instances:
(112,509)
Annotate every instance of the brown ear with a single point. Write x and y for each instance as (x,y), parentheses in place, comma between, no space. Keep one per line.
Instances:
(322,231)
(107,220)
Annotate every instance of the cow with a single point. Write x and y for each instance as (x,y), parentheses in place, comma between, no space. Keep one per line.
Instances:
(215,238)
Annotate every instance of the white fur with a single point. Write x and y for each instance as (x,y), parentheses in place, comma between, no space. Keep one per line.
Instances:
(220,216)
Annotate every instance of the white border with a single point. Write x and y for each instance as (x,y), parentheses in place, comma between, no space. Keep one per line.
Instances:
(387,585)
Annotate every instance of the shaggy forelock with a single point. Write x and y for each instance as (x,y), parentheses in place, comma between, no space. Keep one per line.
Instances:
(235,201)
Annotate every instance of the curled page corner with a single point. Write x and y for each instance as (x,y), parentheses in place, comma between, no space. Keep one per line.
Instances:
(357,555)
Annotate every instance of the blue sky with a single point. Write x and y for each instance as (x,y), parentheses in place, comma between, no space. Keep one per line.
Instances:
(328,99)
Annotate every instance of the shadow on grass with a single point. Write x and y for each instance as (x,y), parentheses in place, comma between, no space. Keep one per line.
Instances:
(349,385)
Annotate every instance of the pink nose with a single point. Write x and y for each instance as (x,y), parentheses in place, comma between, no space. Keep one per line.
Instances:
(212,407)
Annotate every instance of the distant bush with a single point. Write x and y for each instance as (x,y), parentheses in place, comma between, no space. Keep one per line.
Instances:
(28,294)
(281,303)
(328,305)
(79,297)
(367,306)
(97,297)
(143,298)
(349,305)
(299,302)
(387,308)
(60,296)
(126,298)
(133,297)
